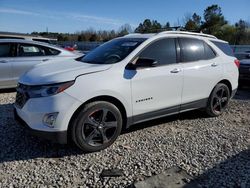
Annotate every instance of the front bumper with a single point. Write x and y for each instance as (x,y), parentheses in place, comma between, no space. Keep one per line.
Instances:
(57,137)
(31,114)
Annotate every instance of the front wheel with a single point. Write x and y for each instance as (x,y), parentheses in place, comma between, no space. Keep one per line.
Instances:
(97,126)
(218,100)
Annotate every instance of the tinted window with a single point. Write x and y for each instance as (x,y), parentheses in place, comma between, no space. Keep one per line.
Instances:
(191,49)
(224,47)
(163,51)
(209,53)
(5,50)
(27,50)
(51,51)
(113,51)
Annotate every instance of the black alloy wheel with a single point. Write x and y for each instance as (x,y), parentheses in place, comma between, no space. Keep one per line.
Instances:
(218,100)
(97,126)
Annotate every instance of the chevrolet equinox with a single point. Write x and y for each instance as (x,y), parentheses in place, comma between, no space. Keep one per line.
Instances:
(125,81)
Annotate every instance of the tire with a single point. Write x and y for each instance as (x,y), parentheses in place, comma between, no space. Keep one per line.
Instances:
(96,126)
(218,100)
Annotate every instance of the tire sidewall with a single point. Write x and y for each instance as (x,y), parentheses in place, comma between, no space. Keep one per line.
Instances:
(211,110)
(77,129)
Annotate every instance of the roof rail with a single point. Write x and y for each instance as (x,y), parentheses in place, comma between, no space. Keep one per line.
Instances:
(187,33)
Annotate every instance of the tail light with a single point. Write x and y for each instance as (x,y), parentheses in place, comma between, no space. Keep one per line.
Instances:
(237,63)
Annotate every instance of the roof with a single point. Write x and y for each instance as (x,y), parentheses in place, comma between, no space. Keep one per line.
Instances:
(187,33)
(29,42)
(23,35)
(139,35)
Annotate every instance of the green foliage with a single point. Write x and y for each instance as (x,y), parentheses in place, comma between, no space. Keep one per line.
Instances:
(193,23)
(214,20)
(148,26)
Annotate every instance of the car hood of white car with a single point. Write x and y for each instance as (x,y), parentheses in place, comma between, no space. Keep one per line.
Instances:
(58,71)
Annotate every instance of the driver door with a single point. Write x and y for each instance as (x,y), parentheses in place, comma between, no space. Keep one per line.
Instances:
(156,91)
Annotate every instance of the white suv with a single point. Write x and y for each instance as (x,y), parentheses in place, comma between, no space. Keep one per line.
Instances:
(126,81)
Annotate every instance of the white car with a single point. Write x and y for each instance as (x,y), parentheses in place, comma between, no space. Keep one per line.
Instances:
(9,35)
(126,81)
(17,56)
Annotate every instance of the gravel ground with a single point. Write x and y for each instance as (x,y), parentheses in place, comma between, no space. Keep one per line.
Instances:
(216,151)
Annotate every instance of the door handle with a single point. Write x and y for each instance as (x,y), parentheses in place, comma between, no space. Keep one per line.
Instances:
(3,61)
(176,70)
(214,64)
(45,60)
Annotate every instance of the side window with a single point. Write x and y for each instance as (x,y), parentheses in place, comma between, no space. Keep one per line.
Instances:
(27,50)
(5,50)
(191,49)
(209,52)
(163,51)
(51,51)
(224,47)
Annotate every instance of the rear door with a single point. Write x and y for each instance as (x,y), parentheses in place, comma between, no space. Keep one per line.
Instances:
(28,55)
(7,52)
(202,70)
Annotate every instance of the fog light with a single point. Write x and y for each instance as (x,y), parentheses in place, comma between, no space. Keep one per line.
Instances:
(50,119)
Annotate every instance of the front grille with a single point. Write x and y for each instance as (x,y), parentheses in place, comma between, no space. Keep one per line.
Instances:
(21,96)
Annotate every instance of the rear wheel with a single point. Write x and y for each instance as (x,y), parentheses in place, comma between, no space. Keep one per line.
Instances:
(97,126)
(218,100)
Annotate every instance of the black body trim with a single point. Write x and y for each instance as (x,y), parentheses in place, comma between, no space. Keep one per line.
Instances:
(156,114)
(194,105)
(57,137)
(167,112)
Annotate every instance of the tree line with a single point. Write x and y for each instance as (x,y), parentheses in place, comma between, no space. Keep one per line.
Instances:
(211,22)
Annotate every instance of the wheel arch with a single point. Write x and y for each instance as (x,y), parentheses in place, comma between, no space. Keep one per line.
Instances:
(227,83)
(105,98)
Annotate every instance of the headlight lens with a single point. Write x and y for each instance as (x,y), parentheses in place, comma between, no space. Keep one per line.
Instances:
(48,90)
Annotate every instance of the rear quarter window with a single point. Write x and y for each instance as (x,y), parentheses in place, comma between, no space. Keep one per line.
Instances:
(51,51)
(224,47)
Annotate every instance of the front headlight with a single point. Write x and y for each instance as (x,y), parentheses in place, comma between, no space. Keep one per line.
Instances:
(48,90)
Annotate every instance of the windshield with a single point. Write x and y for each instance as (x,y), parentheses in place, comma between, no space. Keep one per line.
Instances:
(113,51)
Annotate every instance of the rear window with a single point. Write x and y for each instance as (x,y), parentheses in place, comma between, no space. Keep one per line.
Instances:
(224,47)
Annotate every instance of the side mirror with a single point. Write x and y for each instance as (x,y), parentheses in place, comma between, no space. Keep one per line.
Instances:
(142,63)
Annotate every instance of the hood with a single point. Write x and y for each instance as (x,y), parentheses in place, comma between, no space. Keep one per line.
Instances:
(245,62)
(59,71)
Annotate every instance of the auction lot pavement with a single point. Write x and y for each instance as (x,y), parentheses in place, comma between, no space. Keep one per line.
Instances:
(215,151)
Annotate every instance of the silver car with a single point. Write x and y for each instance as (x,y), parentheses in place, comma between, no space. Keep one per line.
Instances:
(18,56)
